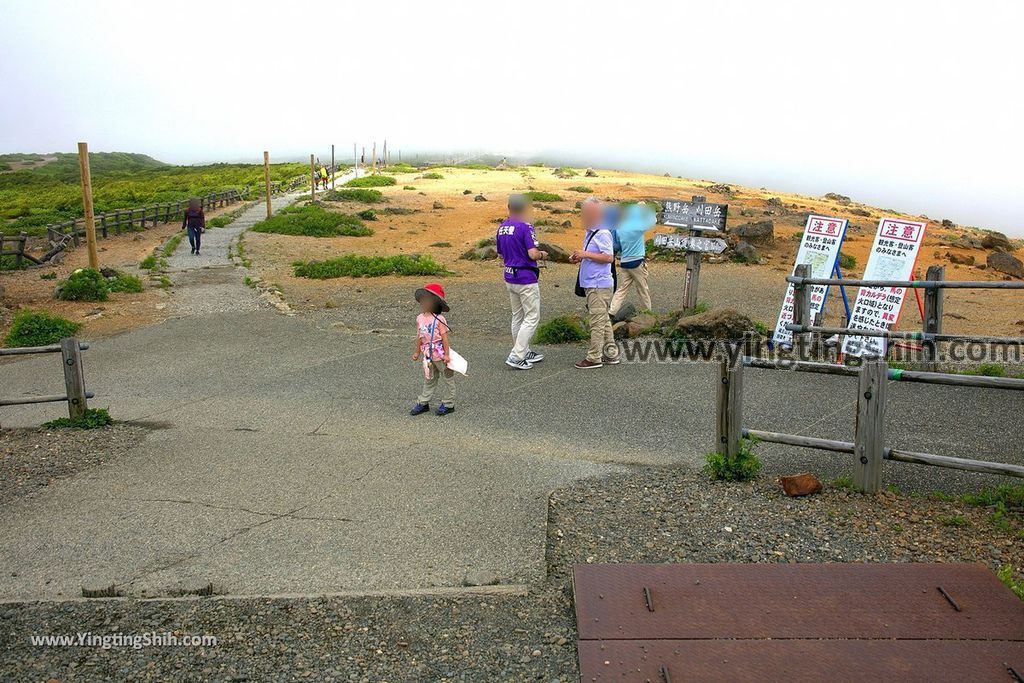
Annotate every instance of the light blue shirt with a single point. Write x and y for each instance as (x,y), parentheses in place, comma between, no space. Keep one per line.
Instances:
(639,219)
(594,275)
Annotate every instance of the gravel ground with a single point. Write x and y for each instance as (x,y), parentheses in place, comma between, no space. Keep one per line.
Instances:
(31,459)
(645,515)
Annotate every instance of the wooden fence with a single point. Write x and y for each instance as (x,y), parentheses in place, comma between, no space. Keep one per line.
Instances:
(14,248)
(75,394)
(69,233)
(873,376)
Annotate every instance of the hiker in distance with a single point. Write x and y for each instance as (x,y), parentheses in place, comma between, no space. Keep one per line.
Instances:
(194,222)
(517,243)
(596,283)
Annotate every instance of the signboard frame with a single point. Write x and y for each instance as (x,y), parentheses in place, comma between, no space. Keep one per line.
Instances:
(692,215)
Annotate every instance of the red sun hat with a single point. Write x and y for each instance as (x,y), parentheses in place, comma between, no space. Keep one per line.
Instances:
(433,289)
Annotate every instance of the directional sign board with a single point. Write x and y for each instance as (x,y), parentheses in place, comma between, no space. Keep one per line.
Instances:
(893,255)
(819,248)
(694,215)
(705,245)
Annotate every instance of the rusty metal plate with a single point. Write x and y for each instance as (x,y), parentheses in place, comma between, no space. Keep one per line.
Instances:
(701,601)
(794,661)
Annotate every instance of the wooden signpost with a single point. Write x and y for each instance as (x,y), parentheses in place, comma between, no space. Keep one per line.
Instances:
(705,245)
(90,218)
(698,217)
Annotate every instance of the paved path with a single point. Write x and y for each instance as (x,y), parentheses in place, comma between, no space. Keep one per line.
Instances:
(284,461)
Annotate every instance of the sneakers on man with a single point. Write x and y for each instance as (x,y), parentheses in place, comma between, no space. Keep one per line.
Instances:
(534,357)
(519,364)
(587,364)
(444,410)
(419,409)
(610,361)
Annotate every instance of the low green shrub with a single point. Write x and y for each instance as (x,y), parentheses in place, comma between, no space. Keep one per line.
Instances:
(581,188)
(432,176)
(124,282)
(11,263)
(220,221)
(85,284)
(564,171)
(38,328)
(371,181)
(355,265)
(368,215)
(408,187)
(312,220)
(148,263)
(356,195)
(172,244)
(847,261)
(94,418)
(745,466)
(538,196)
(1005,575)
(441,244)
(401,167)
(564,329)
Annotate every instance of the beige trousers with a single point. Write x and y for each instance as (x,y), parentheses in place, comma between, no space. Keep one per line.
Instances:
(602,341)
(628,277)
(447,379)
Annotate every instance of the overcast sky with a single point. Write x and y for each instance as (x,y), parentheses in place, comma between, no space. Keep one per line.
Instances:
(909,105)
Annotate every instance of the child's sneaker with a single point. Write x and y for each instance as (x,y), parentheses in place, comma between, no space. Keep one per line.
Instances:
(518,364)
(444,410)
(419,409)
(534,357)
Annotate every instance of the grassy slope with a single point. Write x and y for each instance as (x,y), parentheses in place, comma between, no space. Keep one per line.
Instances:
(32,198)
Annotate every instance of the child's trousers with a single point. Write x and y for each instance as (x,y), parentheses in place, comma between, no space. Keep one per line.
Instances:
(447,380)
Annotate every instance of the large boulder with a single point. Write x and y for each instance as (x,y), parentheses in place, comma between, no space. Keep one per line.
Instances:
(626,312)
(590,173)
(724,323)
(838,198)
(1005,263)
(747,252)
(758,232)
(996,240)
(960,259)
(555,253)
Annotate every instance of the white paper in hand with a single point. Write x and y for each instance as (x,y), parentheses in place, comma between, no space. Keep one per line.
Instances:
(457,362)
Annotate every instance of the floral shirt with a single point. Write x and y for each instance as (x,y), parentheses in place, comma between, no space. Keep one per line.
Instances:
(429,329)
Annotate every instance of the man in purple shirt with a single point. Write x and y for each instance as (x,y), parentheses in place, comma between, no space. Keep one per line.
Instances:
(595,261)
(517,243)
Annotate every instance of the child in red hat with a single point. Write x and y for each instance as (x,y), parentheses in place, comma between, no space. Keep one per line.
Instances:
(433,350)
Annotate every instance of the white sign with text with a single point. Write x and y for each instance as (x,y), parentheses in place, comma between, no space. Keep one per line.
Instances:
(893,256)
(819,247)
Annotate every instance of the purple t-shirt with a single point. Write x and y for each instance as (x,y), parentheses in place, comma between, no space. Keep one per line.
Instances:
(514,241)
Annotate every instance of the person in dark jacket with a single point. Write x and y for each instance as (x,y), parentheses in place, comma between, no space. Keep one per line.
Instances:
(195,222)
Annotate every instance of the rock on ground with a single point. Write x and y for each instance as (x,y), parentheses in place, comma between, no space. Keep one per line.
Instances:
(1005,263)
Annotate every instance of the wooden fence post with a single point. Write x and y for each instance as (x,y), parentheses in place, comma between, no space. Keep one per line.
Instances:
(933,315)
(869,435)
(801,305)
(312,179)
(266,179)
(90,220)
(74,379)
(730,409)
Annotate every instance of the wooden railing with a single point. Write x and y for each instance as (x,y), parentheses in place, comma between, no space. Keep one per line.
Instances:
(14,248)
(70,233)
(75,394)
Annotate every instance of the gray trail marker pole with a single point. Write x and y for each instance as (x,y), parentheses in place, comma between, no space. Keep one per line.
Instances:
(933,315)
(74,379)
(332,167)
(869,439)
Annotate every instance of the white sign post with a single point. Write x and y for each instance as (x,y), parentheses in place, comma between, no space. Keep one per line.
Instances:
(819,248)
(893,256)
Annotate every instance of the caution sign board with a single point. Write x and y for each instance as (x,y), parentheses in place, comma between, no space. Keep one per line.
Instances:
(893,256)
(819,247)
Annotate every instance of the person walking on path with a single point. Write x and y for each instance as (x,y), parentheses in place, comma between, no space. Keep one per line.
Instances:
(433,351)
(595,281)
(638,219)
(517,243)
(194,222)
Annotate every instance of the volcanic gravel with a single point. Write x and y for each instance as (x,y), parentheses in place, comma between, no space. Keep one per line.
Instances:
(644,515)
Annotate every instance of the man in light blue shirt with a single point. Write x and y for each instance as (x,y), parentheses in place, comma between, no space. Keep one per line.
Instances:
(637,219)
(595,278)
